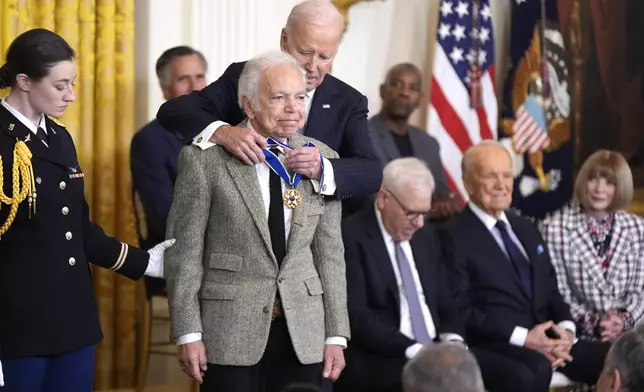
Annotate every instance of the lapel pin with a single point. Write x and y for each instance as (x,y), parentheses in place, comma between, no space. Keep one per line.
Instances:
(539,249)
(28,138)
(11,126)
(326,106)
(52,130)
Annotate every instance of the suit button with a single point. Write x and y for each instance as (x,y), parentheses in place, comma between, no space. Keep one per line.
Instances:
(65,211)
(62,185)
(68,236)
(266,309)
(280,280)
(72,261)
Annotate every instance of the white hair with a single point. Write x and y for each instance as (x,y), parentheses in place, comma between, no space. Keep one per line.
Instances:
(408,173)
(317,12)
(467,156)
(249,80)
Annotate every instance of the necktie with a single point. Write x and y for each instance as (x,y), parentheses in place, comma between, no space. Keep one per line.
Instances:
(520,263)
(418,325)
(276,215)
(42,135)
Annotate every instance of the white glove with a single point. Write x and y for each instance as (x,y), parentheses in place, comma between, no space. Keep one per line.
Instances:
(1,376)
(155,265)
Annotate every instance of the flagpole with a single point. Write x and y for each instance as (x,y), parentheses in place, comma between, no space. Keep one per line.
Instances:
(545,80)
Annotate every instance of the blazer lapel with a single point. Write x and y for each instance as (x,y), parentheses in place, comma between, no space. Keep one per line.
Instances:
(386,140)
(619,244)
(379,255)
(245,179)
(489,246)
(319,116)
(583,248)
(309,197)
(533,249)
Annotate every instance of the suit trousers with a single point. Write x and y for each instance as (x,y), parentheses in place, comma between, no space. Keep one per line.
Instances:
(278,368)
(514,368)
(72,372)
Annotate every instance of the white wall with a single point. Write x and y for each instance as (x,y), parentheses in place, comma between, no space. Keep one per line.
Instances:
(380,34)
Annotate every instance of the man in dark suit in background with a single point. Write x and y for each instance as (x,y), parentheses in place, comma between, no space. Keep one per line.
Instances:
(505,285)
(154,151)
(398,296)
(393,137)
(337,113)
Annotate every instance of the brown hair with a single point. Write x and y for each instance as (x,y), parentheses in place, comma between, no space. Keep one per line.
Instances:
(612,166)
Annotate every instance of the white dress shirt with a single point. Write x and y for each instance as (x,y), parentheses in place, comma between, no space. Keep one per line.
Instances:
(405,316)
(25,121)
(519,334)
(263,175)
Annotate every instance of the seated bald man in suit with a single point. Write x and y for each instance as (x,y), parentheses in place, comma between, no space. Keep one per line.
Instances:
(505,285)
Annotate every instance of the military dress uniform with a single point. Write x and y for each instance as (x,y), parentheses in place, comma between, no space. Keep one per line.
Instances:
(47,303)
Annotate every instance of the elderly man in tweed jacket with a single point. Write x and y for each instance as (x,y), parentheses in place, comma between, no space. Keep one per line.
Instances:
(256,279)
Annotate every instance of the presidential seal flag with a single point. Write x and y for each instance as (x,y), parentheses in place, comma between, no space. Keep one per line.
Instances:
(535,122)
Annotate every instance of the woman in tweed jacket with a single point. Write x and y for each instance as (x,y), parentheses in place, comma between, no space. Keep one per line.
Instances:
(597,249)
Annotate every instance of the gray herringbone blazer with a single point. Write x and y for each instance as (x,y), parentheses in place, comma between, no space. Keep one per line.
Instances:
(222,275)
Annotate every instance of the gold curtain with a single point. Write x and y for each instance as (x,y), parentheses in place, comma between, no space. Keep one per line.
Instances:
(101,122)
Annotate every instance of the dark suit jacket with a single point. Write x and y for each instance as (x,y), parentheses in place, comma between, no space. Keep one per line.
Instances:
(485,285)
(374,301)
(424,146)
(342,125)
(153,161)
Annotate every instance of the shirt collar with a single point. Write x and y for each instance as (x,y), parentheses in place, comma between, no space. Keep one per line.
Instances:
(385,234)
(488,220)
(24,120)
(310,93)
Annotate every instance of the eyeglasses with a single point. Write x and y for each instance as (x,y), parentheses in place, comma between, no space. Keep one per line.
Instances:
(410,215)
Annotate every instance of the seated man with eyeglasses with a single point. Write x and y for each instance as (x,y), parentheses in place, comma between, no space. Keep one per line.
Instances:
(398,296)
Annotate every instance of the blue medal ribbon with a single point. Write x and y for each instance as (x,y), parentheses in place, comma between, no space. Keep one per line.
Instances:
(278,167)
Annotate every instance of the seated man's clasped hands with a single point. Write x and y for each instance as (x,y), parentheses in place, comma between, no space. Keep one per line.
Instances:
(256,280)
(552,341)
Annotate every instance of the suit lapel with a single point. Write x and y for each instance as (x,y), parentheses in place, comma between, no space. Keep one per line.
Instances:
(477,230)
(532,249)
(387,141)
(583,248)
(245,179)
(379,255)
(619,244)
(317,122)
(16,129)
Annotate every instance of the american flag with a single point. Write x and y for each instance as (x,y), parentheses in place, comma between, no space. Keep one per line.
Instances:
(529,128)
(463,108)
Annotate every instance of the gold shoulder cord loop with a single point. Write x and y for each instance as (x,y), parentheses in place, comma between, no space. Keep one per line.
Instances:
(22,182)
